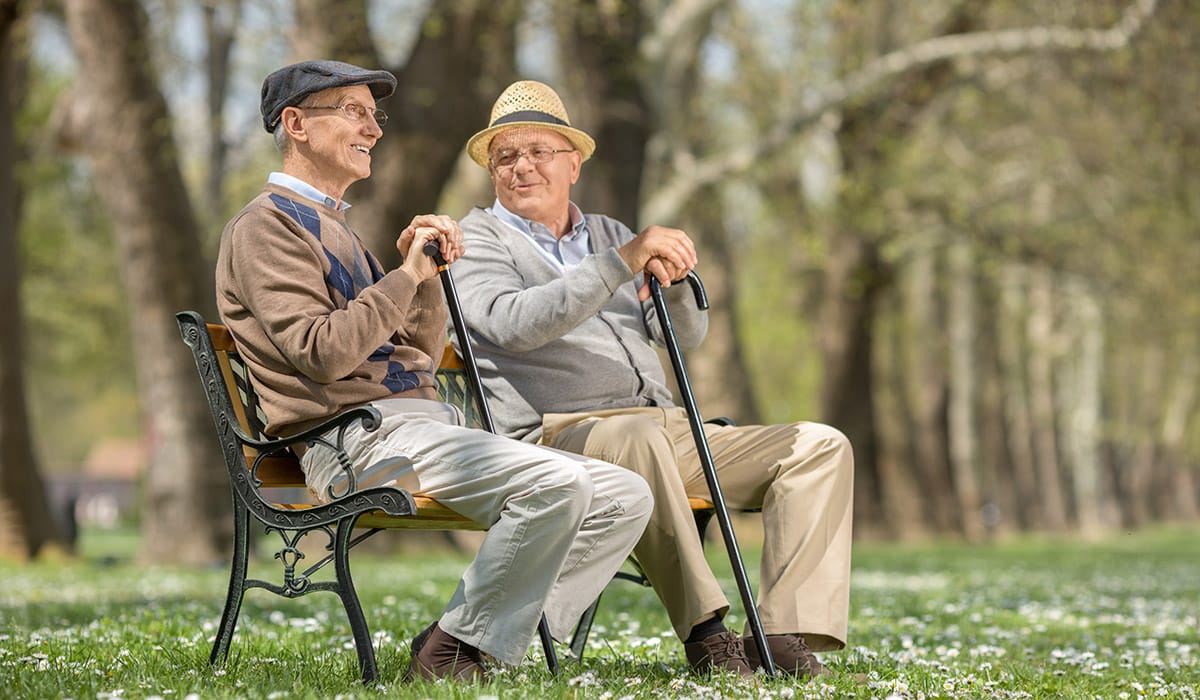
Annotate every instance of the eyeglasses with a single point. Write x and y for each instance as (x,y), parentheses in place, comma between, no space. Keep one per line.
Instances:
(538,154)
(356,112)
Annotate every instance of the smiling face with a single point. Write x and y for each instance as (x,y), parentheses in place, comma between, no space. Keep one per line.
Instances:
(539,192)
(330,149)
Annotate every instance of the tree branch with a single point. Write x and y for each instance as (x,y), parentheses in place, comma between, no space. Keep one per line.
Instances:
(692,174)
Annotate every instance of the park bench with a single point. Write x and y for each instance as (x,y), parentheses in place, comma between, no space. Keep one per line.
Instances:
(255,462)
(261,467)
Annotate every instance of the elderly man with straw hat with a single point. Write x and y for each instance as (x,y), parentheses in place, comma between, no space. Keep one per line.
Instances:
(562,327)
(324,328)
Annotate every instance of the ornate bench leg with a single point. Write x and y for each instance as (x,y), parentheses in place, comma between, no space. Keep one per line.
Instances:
(237,584)
(349,596)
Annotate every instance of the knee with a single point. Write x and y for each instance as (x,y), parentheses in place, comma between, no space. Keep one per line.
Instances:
(569,488)
(833,441)
(636,442)
(638,499)
(822,446)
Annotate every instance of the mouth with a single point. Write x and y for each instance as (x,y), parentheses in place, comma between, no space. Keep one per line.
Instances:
(362,149)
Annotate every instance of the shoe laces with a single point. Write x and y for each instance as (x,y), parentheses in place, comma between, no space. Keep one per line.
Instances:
(795,644)
(728,644)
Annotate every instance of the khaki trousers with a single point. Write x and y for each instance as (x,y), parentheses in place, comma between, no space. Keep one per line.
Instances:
(800,474)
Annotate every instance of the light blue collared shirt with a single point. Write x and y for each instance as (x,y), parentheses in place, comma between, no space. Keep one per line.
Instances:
(305,190)
(563,253)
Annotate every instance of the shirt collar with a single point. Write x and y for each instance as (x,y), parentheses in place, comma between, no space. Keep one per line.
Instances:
(305,190)
(527,226)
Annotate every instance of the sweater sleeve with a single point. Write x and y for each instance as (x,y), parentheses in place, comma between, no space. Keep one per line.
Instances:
(506,309)
(424,326)
(282,284)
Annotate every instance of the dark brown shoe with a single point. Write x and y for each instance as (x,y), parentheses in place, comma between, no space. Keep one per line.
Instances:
(436,654)
(718,652)
(790,653)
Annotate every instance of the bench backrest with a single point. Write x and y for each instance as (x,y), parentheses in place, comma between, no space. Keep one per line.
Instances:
(283,470)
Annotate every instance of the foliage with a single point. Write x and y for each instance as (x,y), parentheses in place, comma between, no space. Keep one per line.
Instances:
(1024,618)
(80,369)
(1072,164)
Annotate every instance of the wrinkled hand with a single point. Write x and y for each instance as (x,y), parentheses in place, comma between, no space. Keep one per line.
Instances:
(424,228)
(666,253)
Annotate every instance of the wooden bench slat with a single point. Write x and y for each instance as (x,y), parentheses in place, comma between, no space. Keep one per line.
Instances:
(431,515)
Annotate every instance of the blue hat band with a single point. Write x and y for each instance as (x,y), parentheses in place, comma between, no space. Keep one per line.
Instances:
(530,115)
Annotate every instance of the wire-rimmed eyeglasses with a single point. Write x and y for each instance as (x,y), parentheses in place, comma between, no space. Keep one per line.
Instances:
(507,158)
(356,112)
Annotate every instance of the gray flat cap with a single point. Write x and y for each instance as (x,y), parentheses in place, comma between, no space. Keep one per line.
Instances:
(288,86)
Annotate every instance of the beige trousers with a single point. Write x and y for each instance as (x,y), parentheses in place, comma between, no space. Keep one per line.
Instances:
(800,474)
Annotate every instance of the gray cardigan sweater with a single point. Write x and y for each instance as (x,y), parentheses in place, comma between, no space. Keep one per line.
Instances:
(563,342)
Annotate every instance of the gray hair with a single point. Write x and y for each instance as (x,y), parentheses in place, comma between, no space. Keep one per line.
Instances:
(281,137)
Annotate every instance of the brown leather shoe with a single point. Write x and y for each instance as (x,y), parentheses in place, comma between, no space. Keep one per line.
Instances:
(436,654)
(790,653)
(718,652)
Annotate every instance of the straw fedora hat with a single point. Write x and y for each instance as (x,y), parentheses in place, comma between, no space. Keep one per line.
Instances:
(528,103)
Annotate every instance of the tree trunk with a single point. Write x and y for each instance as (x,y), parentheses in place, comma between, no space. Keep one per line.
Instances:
(604,80)
(1041,389)
(903,508)
(718,369)
(463,57)
(119,118)
(25,516)
(607,87)
(927,385)
(1019,422)
(1082,406)
(998,481)
(963,398)
(853,278)
(1137,478)
(1180,487)
(220,30)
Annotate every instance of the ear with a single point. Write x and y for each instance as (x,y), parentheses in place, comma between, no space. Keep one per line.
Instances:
(292,121)
(576,165)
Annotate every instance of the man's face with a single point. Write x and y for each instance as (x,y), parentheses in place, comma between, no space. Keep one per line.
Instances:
(340,140)
(536,191)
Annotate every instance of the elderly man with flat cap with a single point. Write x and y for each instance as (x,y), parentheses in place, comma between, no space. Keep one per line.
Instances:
(558,305)
(324,328)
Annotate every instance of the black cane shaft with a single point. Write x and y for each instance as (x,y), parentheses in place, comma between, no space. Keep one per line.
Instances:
(460,329)
(433,250)
(706,463)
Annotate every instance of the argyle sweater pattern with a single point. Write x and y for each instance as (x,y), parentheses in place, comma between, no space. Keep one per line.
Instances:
(318,322)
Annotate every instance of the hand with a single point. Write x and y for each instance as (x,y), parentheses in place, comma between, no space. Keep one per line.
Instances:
(661,270)
(666,253)
(429,227)
(672,246)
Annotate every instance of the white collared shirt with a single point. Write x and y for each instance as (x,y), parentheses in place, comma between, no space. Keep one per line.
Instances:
(305,190)
(563,253)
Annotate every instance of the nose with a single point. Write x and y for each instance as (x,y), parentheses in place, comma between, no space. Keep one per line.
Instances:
(524,161)
(373,127)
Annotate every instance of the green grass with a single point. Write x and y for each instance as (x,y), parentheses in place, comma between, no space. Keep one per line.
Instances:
(1028,618)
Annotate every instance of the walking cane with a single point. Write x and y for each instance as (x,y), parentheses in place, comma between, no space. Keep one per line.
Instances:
(433,250)
(706,461)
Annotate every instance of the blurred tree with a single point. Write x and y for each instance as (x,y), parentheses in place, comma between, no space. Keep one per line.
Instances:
(220,25)
(463,56)
(25,517)
(632,75)
(116,115)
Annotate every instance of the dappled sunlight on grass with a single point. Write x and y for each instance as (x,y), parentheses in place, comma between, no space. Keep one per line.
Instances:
(1025,619)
